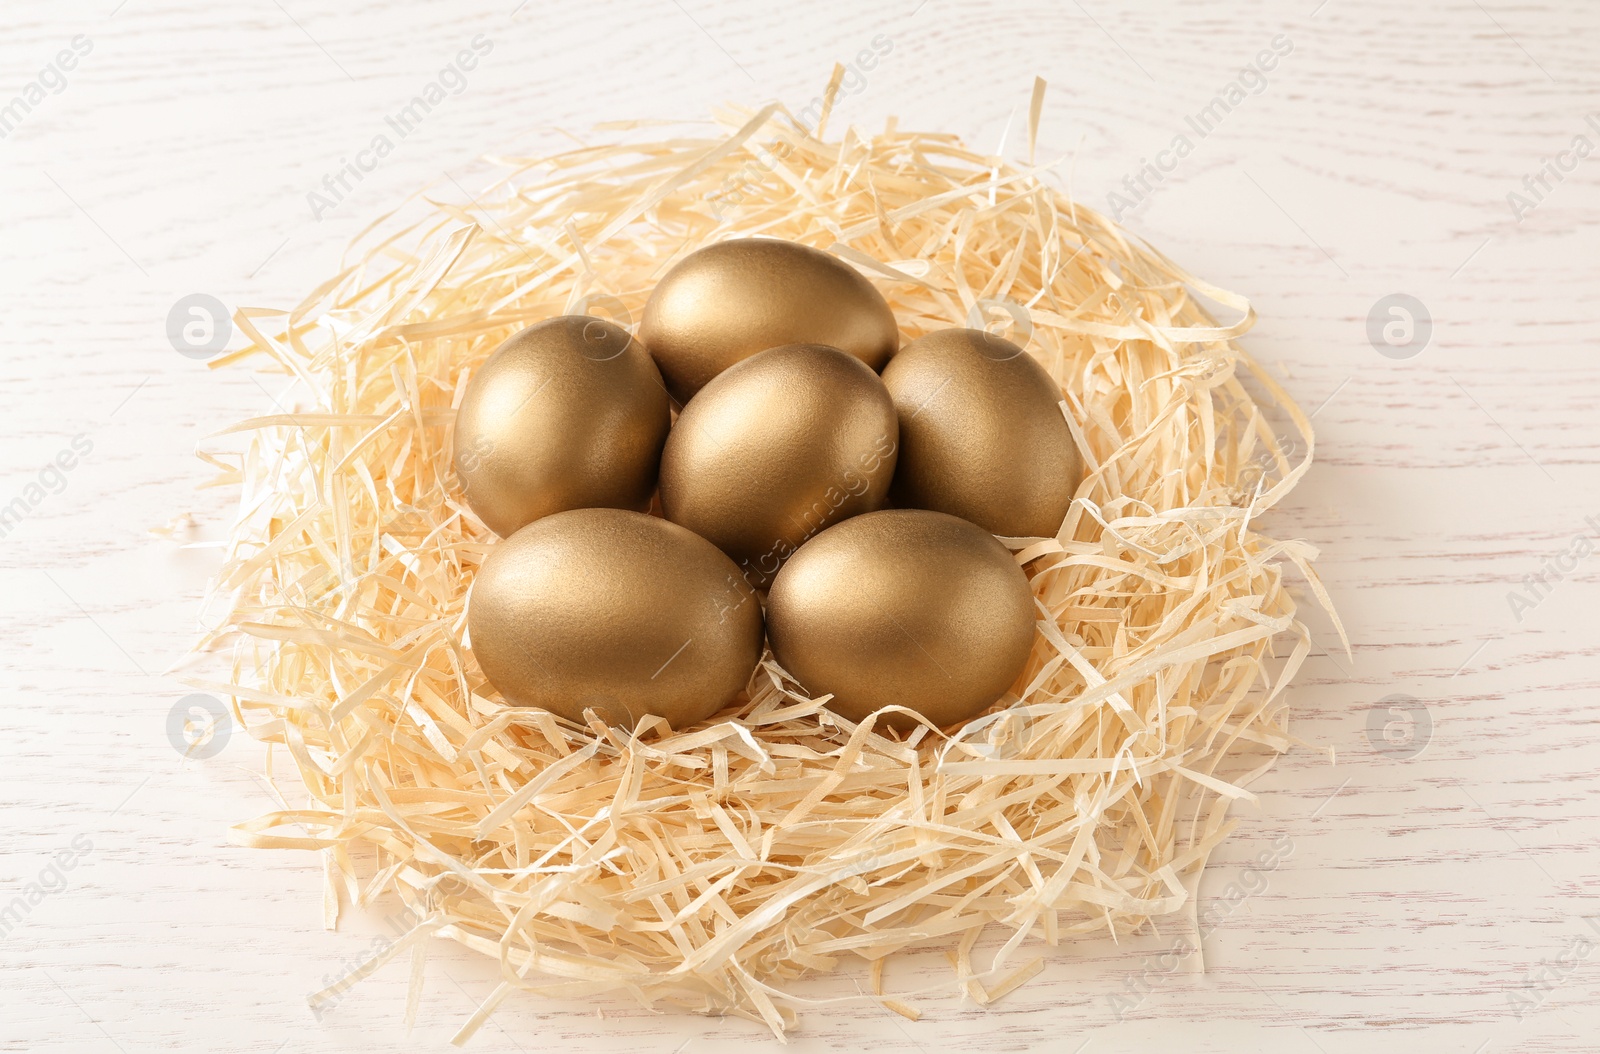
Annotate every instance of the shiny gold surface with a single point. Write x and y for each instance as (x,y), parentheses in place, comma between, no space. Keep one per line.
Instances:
(777,448)
(567,414)
(728,301)
(981,434)
(903,607)
(616,611)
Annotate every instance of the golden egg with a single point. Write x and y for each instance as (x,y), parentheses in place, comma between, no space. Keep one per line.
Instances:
(903,607)
(614,611)
(777,448)
(730,300)
(567,414)
(981,434)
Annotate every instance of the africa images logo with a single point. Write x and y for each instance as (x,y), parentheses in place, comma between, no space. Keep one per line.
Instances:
(51,879)
(451,80)
(1139,185)
(51,79)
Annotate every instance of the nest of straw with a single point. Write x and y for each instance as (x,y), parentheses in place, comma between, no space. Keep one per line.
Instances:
(714,866)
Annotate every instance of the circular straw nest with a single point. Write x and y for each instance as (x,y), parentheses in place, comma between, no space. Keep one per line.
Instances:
(711,865)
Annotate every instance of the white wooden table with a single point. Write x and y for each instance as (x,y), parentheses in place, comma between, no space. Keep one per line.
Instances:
(1430,893)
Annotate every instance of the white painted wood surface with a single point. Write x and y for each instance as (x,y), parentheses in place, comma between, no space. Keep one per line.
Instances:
(1440,902)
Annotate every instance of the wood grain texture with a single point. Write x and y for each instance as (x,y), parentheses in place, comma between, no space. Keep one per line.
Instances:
(1441,902)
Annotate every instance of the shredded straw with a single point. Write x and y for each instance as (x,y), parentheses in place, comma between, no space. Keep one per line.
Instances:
(713,866)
